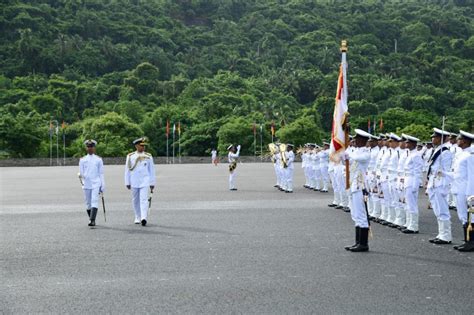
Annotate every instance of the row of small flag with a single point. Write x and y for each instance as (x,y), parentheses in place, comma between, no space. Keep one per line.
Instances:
(372,128)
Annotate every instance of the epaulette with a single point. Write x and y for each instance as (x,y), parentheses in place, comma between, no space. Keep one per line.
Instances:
(131,153)
(147,154)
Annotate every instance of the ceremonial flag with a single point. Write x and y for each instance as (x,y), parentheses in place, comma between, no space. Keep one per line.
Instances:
(179,128)
(375,124)
(254,129)
(338,135)
(50,128)
(368,126)
(272,129)
(174,128)
(63,125)
(167,128)
(381,124)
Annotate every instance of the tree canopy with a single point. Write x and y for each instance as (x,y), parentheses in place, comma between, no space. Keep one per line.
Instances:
(115,70)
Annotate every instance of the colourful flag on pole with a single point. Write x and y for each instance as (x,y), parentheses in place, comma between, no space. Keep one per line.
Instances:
(254,129)
(174,128)
(50,128)
(369,126)
(167,128)
(381,124)
(338,136)
(272,128)
(261,128)
(63,125)
(375,123)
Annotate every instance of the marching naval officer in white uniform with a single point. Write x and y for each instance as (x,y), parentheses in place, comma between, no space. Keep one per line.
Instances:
(359,160)
(290,168)
(139,177)
(233,157)
(91,171)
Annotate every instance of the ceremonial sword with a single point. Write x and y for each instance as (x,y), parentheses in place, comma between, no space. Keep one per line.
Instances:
(149,201)
(103,204)
(365,197)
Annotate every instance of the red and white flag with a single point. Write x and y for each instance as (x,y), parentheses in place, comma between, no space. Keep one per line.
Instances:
(338,137)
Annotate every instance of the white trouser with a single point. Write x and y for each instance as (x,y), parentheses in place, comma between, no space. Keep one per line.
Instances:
(289,178)
(439,202)
(232,176)
(140,202)
(317,178)
(461,206)
(401,207)
(386,201)
(324,177)
(358,213)
(91,197)
(277,175)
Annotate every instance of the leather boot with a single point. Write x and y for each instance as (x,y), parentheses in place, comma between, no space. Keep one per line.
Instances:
(92,217)
(88,213)
(464,227)
(357,238)
(469,245)
(363,245)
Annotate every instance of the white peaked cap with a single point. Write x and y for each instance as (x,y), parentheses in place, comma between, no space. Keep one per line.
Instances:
(362,133)
(466,134)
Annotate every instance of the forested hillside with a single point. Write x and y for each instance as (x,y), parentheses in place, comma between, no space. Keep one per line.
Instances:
(115,70)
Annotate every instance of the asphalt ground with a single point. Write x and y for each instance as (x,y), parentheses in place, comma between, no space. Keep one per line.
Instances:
(213,251)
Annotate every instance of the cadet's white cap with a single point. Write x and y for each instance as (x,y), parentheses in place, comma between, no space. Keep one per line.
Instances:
(90,143)
(393,136)
(362,133)
(465,134)
(141,141)
(438,133)
(411,138)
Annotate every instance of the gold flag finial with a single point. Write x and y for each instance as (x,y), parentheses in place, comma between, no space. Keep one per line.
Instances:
(344,46)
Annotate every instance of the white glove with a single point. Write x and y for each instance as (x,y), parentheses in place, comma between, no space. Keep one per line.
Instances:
(238,147)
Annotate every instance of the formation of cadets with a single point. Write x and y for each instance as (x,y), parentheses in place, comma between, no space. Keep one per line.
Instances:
(386,174)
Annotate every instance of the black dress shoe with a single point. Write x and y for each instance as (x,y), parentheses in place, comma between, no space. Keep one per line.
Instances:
(452,207)
(386,223)
(339,207)
(393,225)
(315,189)
(346,209)
(456,247)
(349,247)
(332,205)
(143,222)
(276,186)
(91,223)
(441,242)
(324,191)
(407,231)
(433,240)
(468,247)
(359,248)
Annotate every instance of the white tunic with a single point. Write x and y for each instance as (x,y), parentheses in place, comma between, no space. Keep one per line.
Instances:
(91,168)
(139,170)
(460,171)
(413,167)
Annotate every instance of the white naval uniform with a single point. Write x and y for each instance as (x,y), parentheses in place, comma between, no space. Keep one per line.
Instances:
(378,195)
(304,166)
(438,189)
(277,168)
(289,170)
(372,181)
(140,175)
(392,184)
(400,201)
(460,182)
(413,168)
(91,169)
(232,158)
(323,168)
(386,201)
(359,159)
(316,170)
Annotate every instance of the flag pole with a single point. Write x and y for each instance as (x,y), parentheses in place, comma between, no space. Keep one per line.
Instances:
(173,140)
(255,142)
(57,142)
(50,143)
(346,119)
(167,140)
(64,147)
(179,142)
(261,143)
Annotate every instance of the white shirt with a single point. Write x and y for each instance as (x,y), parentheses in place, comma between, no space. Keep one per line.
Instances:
(460,171)
(213,154)
(359,159)
(290,157)
(91,168)
(232,157)
(440,168)
(139,170)
(413,167)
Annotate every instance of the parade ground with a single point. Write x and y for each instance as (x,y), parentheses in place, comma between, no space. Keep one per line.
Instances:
(210,250)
